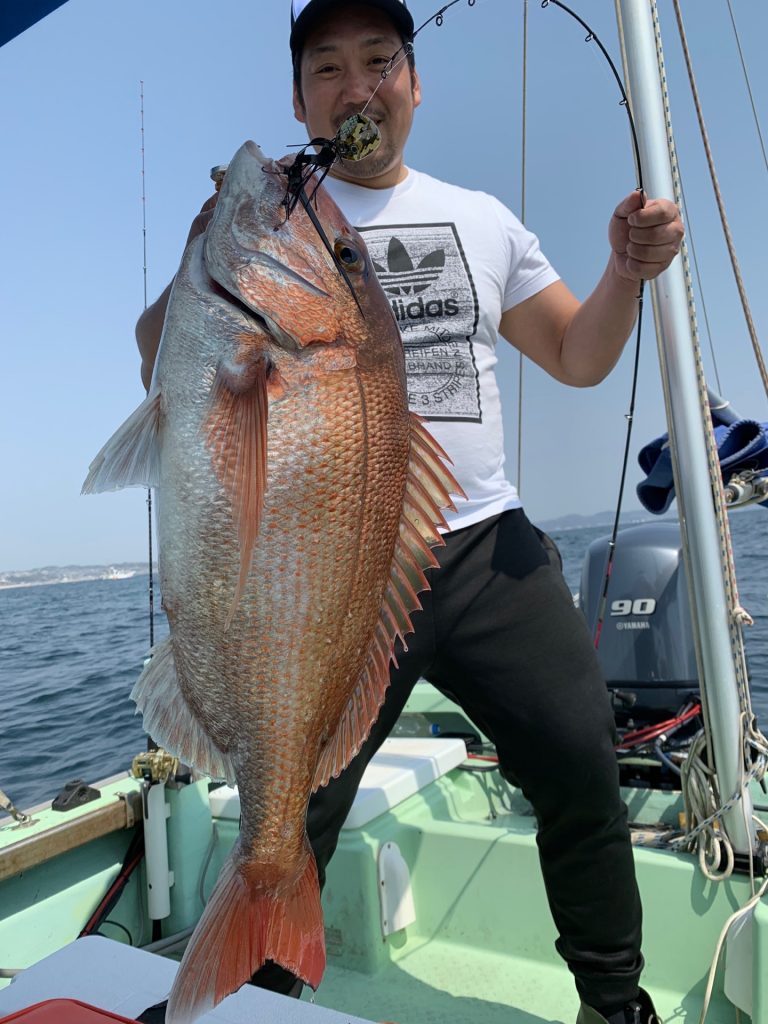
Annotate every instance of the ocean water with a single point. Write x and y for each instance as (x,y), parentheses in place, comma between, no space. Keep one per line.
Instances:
(71,652)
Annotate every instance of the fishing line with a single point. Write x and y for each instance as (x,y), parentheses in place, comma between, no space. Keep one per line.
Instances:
(630,414)
(392,65)
(329,152)
(357,137)
(407,48)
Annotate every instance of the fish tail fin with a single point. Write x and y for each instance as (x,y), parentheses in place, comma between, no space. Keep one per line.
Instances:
(244,924)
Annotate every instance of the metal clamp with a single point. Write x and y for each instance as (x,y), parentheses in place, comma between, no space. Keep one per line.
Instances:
(154,766)
(6,804)
(746,488)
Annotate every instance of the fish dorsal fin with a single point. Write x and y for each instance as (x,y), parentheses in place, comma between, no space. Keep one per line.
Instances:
(428,490)
(131,457)
(236,434)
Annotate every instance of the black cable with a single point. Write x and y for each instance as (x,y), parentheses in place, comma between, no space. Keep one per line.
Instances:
(133,857)
(117,925)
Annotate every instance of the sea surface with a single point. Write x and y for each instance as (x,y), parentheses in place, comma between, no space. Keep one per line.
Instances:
(71,652)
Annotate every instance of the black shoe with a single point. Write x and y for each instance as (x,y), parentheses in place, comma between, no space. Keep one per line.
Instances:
(638,1011)
(154,1014)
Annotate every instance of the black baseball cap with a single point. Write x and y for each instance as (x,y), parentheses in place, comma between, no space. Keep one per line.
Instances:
(304,13)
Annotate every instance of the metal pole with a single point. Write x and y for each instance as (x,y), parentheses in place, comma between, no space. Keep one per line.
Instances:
(689,453)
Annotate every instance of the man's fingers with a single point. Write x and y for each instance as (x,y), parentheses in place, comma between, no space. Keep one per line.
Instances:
(660,234)
(629,205)
(645,239)
(652,254)
(201,221)
(654,213)
(638,270)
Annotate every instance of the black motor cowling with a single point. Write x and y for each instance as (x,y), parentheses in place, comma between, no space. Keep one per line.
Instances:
(646,646)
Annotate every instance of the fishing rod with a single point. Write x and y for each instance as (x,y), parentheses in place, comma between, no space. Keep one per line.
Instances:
(151,584)
(630,414)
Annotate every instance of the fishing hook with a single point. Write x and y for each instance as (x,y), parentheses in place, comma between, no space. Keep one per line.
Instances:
(357,137)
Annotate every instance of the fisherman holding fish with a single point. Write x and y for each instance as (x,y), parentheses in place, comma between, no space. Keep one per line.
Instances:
(498,631)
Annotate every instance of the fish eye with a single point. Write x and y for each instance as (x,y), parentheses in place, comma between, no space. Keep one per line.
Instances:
(348,255)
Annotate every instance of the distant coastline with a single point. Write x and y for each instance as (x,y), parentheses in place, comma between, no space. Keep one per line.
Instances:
(629,517)
(50,574)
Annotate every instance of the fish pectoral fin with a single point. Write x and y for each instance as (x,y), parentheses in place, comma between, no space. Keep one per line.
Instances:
(236,433)
(131,457)
(428,490)
(243,925)
(170,721)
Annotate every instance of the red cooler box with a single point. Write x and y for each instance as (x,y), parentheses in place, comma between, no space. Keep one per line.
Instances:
(64,1011)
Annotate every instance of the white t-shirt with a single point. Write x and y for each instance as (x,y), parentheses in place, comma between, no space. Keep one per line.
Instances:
(451,261)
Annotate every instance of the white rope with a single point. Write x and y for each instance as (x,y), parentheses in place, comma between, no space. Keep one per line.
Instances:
(703,809)
(742,912)
(751,329)
(736,916)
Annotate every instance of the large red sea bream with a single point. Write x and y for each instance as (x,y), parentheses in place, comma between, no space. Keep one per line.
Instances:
(298,501)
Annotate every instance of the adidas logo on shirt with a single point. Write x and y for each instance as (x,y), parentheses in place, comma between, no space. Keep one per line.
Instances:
(400,278)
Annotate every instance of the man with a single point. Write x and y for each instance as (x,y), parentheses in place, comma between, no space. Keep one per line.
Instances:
(498,631)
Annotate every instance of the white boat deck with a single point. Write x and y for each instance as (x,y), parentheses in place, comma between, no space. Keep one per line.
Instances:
(116,977)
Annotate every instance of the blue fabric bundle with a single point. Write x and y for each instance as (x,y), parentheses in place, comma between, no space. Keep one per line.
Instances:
(740,446)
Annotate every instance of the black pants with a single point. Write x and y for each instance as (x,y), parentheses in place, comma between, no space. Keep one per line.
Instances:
(500,635)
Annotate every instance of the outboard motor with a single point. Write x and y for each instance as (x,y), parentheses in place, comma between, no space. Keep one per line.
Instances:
(646,645)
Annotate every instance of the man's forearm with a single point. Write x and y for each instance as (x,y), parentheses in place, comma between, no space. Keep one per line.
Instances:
(598,331)
(149,327)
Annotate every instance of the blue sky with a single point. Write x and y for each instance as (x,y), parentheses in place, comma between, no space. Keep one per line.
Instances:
(214,75)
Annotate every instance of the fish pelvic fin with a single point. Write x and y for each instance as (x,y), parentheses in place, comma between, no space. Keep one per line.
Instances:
(236,434)
(170,721)
(244,924)
(428,490)
(131,457)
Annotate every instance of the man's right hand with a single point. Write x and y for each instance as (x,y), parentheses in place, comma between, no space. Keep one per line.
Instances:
(149,326)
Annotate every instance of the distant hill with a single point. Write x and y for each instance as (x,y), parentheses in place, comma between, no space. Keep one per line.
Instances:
(630,517)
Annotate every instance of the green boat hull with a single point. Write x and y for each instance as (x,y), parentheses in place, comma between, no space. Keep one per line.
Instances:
(480,945)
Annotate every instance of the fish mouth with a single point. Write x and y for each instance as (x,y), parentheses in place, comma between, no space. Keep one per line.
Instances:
(270,264)
(270,327)
(219,296)
(236,299)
